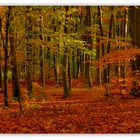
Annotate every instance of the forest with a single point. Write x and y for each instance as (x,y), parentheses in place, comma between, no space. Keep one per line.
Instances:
(69,69)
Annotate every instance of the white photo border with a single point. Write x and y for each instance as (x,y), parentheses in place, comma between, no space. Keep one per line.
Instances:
(72,136)
(71,2)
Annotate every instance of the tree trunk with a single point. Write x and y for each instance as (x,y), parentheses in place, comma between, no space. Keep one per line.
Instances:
(108,48)
(56,54)
(118,66)
(42,63)
(100,49)
(88,39)
(8,12)
(69,73)
(109,42)
(124,34)
(78,63)
(35,60)
(73,66)
(0,60)
(29,36)
(48,63)
(56,69)
(134,22)
(65,63)
(98,56)
(15,77)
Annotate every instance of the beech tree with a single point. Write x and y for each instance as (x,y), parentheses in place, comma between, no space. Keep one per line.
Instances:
(100,49)
(29,37)
(88,45)
(109,42)
(134,32)
(60,44)
(13,42)
(42,50)
(5,46)
(1,58)
(65,60)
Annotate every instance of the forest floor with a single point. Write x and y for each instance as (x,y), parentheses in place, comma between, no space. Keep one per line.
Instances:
(86,111)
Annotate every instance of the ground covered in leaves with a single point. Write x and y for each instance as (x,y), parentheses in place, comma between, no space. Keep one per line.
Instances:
(87,111)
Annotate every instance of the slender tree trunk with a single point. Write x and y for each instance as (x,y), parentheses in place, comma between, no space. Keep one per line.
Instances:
(48,63)
(69,62)
(34,63)
(108,49)
(65,63)
(56,55)
(6,79)
(42,63)
(1,89)
(124,34)
(100,50)
(73,66)
(88,40)
(119,66)
(78,63)
(69,73)
(0,60)
(56,68)
(81,55)
(8,12)
(15,77)
(98,56)
(65,80)
(104,76)
(82,64)
(109,42)
(29,36)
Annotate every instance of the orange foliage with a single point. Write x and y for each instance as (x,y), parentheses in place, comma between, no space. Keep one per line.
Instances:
(87,111)
(117,56)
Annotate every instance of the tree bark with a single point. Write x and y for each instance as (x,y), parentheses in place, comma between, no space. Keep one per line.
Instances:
(56,54)
(134,23)
(69,73)
(109,42)
(7,25)
(88,39)
(48,63)
(124,34)
(100,49)
(15,77)
(0,59)
(65,63)
(29,36)
(42,62)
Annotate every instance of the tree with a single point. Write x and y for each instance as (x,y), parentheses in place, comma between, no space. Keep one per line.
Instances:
(109,42)
(134,13)
(13,42)
(42,50)
(0,58)
(100,49)
(55,29)
(88,45)
(65,60)
(29,37)
(5,46)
